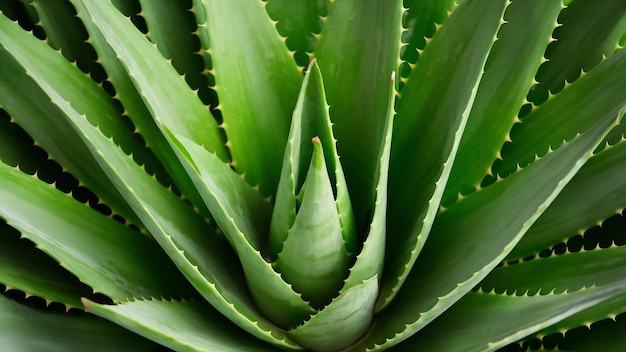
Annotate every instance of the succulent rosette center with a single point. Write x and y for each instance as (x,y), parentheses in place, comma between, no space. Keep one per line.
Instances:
(313,242)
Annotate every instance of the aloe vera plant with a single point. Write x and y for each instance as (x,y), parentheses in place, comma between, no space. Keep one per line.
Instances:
(251,175)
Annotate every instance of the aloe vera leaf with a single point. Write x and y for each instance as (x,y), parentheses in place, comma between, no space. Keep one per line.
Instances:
(242,214)
(364,275)
(472,318)
(137,109)
(420,20)
(181,326)
(26,329)
(598,336)
(588,32)
(346,319)
(602,319)
(65,32)
(313,257)
(18,149)
(299,22)
(205,259)
(207,92)
(600,182)
(310,119)
(461,231)
(357,84)
(129,8)
(171,26)
(84,241)
(171,101)
(370,260)
(72,84)
(257,82)
(15,9)
(509,71)
(567,272)
(31,108)
(547,126)
(431,115)
(28,269)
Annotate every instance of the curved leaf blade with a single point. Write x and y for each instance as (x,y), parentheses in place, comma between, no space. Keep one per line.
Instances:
(357,85)
(351,314)
(310,120)
(21,55)
(548,126)
(25,329)
(247,54)
(509,71)
(600,182)
(181,326)
(84,241)
(482,228)
(137,109)
(435,103)
(205,260)
(473,317)
(171,101)
(313,257)
(243,215)
(25,268)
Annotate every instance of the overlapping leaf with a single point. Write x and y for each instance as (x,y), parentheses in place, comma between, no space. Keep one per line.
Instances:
(435,103)
(60,333)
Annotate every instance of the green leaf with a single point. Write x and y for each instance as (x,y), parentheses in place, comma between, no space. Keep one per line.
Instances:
(171,101)
(205,259)
(600,182)
(343,321)
(357,85)
(243,215)
(206,90)
(310,119)
(23,55)
(370,261)
(588,32)
(84,241)
(65,32)
(481,228)
(257,82)
(313,257)
(473,317)
(547,126)
(299,21)
(566,272)
(604,335)
(17,149)
(26,329)
(608,260)
(181,326)
(420,20)
(136,109)
(431,115)
(28,269)
(509,71)
(170,27)
(363,280)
